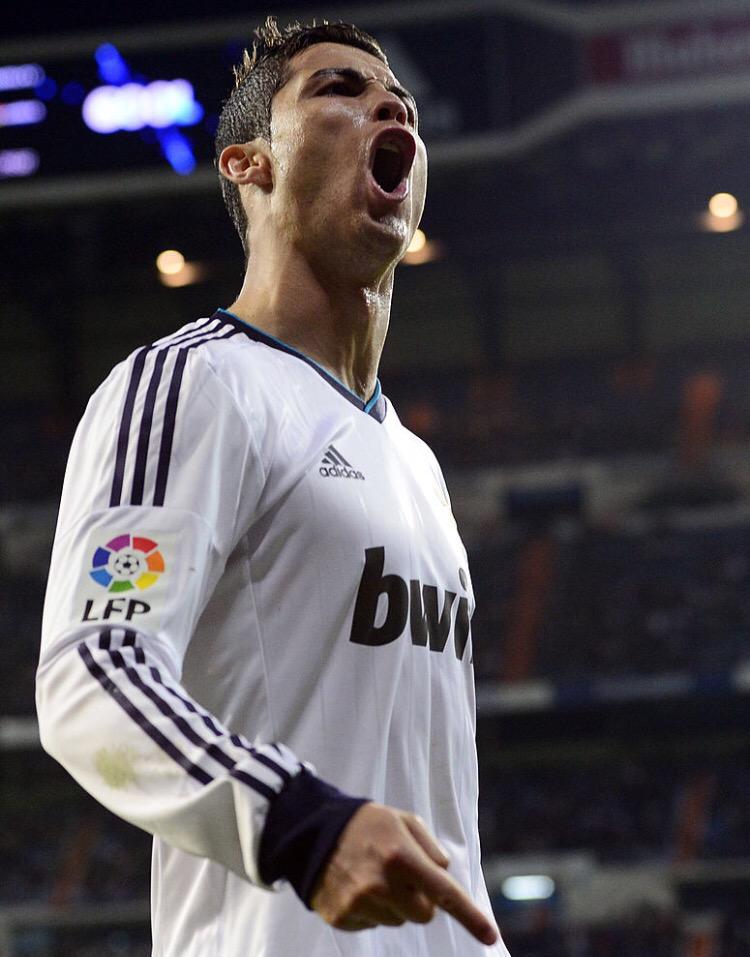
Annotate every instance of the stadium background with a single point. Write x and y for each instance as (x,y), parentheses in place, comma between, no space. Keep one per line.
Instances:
(573,339)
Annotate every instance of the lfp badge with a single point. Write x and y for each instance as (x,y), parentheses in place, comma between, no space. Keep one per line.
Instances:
(127,562)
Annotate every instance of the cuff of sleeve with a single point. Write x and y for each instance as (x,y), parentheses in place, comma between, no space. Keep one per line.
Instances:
(302,827)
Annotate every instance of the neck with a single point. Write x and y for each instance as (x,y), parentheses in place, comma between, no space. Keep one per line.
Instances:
(339,322)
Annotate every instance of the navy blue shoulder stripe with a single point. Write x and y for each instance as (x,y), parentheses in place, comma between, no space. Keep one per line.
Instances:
(127,412)
(376,406)
(141,456)
(153,410)
(125,420)
(119,652)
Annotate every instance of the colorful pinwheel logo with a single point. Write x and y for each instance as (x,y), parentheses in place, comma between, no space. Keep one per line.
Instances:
(127,562)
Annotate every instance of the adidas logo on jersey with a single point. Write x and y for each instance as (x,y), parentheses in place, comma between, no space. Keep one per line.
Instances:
(334,465)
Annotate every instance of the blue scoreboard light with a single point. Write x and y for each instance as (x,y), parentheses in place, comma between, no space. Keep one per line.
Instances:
(104,114)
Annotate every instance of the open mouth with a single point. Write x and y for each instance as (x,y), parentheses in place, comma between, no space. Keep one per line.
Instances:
(391,160)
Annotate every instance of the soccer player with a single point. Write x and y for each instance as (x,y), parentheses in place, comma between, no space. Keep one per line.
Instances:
(256,638)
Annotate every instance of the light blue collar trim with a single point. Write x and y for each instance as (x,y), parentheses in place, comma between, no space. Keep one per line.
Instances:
(375,396)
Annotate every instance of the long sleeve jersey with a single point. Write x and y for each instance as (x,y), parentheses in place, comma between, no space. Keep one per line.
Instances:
(257,617)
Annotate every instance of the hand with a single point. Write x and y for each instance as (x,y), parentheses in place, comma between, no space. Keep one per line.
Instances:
(388,869)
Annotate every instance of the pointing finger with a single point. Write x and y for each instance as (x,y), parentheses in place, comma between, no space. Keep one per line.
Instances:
(453,899)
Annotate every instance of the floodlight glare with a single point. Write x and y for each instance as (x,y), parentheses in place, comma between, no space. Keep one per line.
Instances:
(723,205)
(134,106)
(528,887)
(22,112)
(170,262)
(418,242)
(21,76)
(18,162)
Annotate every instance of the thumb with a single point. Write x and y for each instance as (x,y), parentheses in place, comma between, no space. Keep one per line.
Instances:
(429,844)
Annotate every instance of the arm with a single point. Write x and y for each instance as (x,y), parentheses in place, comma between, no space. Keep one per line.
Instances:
(164,475)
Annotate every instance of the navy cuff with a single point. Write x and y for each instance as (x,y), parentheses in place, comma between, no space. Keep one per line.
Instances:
(302,828)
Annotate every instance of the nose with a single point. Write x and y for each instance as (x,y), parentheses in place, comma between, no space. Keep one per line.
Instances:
(391,107)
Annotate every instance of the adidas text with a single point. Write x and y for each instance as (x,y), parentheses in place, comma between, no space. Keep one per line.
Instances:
(335,471)
(334,465)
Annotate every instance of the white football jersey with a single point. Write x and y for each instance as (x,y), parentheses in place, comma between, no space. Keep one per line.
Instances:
(258,609)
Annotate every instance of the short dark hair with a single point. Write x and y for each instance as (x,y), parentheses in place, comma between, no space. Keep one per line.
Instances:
(246,114)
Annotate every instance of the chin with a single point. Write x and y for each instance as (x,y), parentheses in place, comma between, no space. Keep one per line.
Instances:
(389,234)
(365,247)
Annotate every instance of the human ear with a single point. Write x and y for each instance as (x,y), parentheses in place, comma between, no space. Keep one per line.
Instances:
(247,164)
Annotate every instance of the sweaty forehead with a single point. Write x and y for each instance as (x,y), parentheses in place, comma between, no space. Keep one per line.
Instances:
(322,56)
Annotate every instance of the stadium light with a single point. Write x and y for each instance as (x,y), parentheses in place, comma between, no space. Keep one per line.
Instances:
(135,106)
(19,162)
(422,250)
(528,887)
(175,271)
(170,262)
(723,205)
(21,76)
(418,242)
(189,274)
(22,112)
(722,215)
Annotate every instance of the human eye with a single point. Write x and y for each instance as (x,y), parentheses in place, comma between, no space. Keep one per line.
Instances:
(340,87)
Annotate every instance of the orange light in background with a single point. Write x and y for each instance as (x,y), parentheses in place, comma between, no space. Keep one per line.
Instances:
(723,214)
(170,262)
(422,250)
(175,271)
(186,276)
(422,417)
(418,242)
(723,205)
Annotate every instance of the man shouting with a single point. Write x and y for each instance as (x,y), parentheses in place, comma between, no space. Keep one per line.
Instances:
(256,639)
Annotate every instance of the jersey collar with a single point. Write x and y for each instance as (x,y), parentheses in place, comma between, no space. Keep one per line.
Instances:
(375,405)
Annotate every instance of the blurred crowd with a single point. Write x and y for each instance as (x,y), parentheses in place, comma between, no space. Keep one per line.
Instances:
(89,855)
(646,933)
(589,409)
(623,809)
(653,601)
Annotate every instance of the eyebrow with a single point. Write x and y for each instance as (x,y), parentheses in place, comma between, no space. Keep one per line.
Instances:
(348,73)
